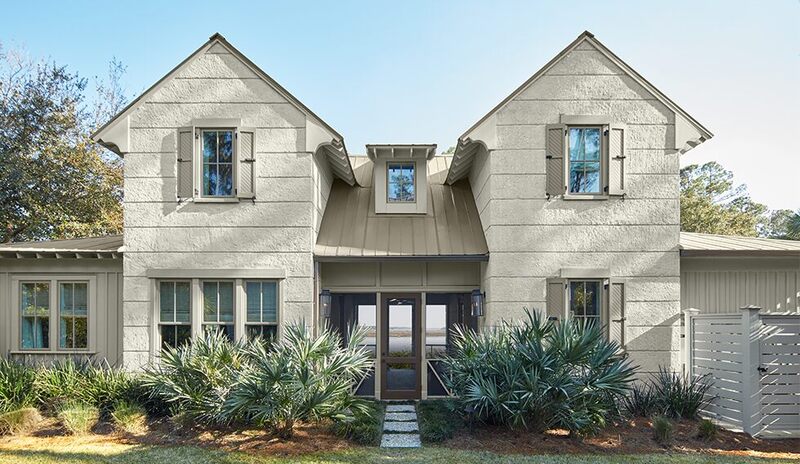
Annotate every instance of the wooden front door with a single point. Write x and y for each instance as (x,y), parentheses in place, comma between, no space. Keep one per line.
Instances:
(400,347)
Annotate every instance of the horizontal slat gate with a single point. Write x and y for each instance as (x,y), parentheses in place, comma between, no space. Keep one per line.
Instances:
(780,379)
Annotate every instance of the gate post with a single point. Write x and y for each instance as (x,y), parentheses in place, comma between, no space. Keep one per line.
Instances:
(688,340)
(751,377)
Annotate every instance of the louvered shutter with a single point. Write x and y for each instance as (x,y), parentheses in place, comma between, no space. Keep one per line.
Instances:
(616,312)
(616,159)
(185,169)
(555,299)
(555,159)
(246,170)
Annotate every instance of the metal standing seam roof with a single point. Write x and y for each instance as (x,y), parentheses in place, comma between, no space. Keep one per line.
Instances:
(697,244)
(107,246)
(451,229)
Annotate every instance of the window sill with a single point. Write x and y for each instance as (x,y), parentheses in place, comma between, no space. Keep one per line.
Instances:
(49,352)
(215,200)
(573,197)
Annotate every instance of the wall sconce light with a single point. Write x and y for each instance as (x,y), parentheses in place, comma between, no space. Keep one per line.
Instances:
(477,299)
(325,303)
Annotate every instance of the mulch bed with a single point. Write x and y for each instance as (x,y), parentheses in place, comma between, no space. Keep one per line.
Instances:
(633,437)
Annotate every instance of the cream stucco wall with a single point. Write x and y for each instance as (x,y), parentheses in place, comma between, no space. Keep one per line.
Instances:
(274,232)
(531,238)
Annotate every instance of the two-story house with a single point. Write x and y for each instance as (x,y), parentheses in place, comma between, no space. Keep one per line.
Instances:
(245,212)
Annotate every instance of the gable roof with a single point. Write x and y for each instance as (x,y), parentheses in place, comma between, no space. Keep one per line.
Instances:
(450,230)
(696,244)
(336,150)
(465,148)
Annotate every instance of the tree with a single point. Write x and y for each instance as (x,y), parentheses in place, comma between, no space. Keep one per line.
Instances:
(55,182)
(710,203)
(783,224)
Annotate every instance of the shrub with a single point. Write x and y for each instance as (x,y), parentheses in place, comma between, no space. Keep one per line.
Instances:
(299,378)
(641,401)
(438,420)
(662,429)
(362,428)
(194,379)
(78,418)
(17,386)
(706,430)
(99,385)
(540,374)
(19,421)
(679,396)
(129,418)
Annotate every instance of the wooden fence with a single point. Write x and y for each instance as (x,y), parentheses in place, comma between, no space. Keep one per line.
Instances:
(753,363)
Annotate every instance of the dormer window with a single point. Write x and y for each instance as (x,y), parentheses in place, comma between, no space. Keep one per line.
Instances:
(400,183)
(401,177)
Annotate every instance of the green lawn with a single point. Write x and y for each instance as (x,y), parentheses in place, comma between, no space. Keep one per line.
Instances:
(431,455)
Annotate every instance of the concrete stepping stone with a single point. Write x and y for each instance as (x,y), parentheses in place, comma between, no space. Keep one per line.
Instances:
(400,440)
(401,416)
(400,427)
(400,408)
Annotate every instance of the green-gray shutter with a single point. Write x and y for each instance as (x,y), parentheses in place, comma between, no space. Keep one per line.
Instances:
(555,298)
(246,164)
(554,165)
(616,313)
(616,159)
(185,170)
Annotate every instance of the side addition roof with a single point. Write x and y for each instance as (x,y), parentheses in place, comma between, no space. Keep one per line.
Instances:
(451,230)
(109,246)
(465,148)
(113,134)
(696,244)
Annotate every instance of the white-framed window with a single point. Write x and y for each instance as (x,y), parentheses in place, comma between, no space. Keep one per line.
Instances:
(54,313)
(35,315)
(218,307)
(401,182)
(218,156)
(584,160)
(73,315)
(175,312)
(262,308)
(585,300)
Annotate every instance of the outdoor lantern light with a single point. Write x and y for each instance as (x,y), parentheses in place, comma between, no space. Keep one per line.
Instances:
(325,303)
(477,303)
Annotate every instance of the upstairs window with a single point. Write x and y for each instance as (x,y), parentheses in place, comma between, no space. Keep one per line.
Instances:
(400,183)
(217,149)
(584,162)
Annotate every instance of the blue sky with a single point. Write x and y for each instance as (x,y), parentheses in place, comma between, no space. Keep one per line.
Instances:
(423,72)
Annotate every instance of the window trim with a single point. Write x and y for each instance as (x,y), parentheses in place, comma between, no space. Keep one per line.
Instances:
(603,165)
(53,280)
(200,165)
(389,165)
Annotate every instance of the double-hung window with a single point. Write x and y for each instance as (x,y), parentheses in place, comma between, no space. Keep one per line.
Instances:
(73,327)
(400,183)
(262,309)
(218,160)
(584,164)
(585,300)
(35,315)
(175,304)
(218,307)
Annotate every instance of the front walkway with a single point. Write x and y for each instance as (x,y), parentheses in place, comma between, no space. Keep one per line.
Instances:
(400,427)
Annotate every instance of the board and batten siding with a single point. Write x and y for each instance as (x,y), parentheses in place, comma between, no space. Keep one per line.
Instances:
(724,284)
(532,238)
(275,231)
(105,306)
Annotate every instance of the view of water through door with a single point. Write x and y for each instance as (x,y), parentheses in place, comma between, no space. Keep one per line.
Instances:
(401,351)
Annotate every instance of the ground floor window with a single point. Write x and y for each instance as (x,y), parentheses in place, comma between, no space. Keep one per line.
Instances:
(585,300)
(262,309)
(73,327)
(54,312)
(35,312)
(237,308)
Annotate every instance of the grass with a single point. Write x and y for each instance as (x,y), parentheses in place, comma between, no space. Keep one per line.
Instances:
(437,420)
(94,453)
